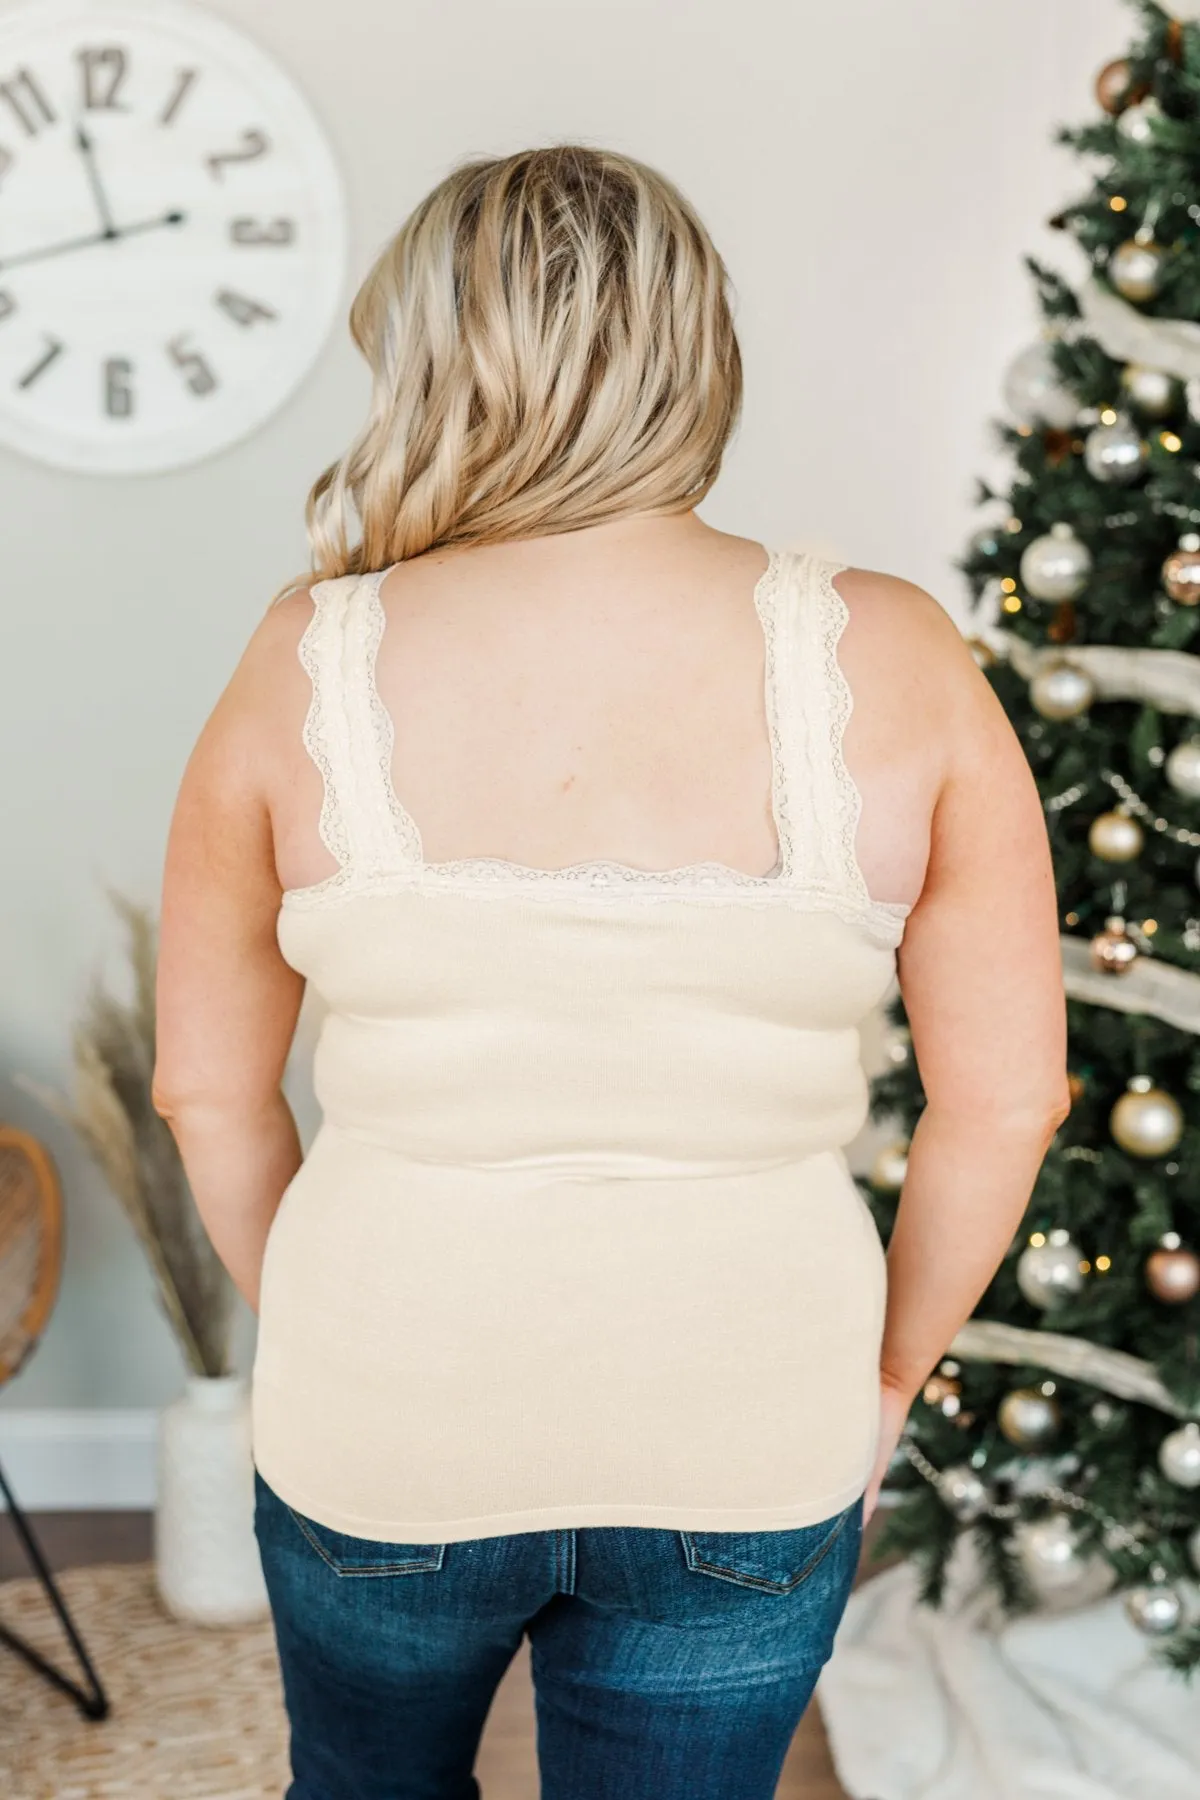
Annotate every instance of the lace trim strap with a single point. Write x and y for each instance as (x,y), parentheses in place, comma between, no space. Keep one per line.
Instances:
(347,732)
(822,705)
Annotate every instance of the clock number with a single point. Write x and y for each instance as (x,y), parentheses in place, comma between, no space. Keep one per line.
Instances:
(241,309)
(255,231)
(197,373)
(103,71)
(254,143)
(27,101)
(8,305)
(118,387)
(183,82)
(54,348)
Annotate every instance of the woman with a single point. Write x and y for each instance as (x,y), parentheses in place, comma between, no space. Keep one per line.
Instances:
(573,1322)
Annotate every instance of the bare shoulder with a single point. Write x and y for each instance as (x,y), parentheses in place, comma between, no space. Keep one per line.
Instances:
(263,705)
(901,635)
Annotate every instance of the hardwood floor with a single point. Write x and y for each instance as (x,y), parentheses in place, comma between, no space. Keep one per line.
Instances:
(507,1766)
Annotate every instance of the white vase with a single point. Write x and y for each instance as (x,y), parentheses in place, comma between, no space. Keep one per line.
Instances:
(206,1557)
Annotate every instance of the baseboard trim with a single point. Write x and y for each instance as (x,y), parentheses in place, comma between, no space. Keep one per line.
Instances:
(62,1459)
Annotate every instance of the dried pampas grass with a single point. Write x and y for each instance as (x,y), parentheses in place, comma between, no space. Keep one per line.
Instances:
(114,1048)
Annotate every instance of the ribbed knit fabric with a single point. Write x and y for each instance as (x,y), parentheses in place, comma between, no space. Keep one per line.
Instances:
(576,1242)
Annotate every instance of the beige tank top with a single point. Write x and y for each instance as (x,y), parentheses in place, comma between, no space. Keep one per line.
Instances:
(576,1242)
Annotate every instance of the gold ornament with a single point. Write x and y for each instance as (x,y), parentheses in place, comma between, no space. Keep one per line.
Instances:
(1135,268)
(1061,690)
(1115,837)
(1115,89)
(1112,950)
(1173,1274)
(1181,572)
(1152,391)
(944,1393)
(1146,1121)
(889,1168)
(1029,1418)
(1049,1268)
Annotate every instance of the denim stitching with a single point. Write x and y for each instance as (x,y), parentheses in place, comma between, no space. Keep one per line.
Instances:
(741,1579)
(416,1566)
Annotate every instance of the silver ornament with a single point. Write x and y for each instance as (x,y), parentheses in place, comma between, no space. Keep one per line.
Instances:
(1146,1121)
(1155,1609)
(1034,392)
(1137,122)
(1055,566)
(890,1166)
(1050,1271)
(1115,453)
(1183,768)
(1061,690)
(1152,391)
(1179,1455)
(964,1492)
(1047,1548)
(1058,1571)
(1029,1419)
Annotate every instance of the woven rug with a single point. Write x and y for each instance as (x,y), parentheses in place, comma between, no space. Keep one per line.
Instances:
(196,1712)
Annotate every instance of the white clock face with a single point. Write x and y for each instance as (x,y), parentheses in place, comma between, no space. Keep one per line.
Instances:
(172,234)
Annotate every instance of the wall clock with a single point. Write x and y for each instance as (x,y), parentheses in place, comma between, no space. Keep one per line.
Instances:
(172,234)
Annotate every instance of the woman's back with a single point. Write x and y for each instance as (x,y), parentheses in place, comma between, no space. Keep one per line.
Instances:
(586,908)
(601,696)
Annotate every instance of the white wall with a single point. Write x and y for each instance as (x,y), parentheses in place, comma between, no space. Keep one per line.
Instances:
(873,173)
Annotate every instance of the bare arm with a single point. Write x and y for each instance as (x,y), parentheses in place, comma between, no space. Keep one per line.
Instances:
(227,1001)
(981,974)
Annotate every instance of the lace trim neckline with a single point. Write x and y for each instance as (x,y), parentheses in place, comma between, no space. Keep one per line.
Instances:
(595,871)
(400,862)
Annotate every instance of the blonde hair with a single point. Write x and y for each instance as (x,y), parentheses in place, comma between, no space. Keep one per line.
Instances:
(551,346)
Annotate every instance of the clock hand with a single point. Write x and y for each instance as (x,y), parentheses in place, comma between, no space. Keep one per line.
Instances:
(94,237)
(84,145)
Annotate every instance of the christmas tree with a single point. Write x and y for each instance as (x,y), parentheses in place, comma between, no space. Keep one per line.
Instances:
(1062,1429)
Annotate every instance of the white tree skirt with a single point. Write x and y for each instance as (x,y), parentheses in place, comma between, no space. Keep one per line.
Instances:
(961,1704)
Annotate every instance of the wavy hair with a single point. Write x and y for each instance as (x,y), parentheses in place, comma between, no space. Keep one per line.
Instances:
(551,345)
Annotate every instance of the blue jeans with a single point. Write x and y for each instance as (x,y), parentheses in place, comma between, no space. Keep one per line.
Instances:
(667,1665)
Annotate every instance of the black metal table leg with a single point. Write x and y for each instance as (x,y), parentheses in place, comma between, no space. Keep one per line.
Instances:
(91,1698)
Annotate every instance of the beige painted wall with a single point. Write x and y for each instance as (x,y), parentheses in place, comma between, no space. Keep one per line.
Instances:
(873,173)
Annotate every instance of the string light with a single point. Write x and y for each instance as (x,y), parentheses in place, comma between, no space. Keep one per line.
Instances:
(1107,416)
(1118,202)
(1011,603)
(1169,441)
(1009,585)
(1103,1264)
(1038,1238)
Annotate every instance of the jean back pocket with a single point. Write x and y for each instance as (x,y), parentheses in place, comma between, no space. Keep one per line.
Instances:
(773,1562)
(339,1551)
